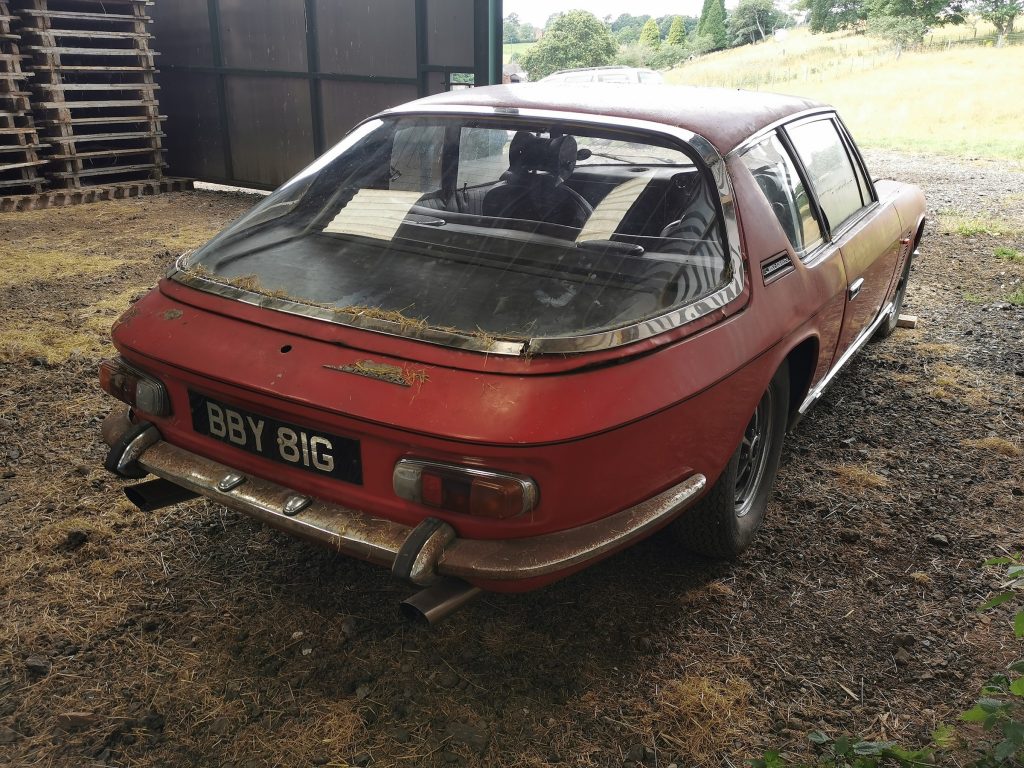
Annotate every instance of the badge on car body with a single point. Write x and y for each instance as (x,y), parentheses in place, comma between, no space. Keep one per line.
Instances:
(776,267)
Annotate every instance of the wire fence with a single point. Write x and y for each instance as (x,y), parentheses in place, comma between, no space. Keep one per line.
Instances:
(1012,38)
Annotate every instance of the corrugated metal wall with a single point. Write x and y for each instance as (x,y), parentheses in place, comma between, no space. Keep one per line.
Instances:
(255,89)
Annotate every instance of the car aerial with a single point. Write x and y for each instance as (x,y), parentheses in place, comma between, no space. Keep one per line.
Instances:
(609,74)
(499,334)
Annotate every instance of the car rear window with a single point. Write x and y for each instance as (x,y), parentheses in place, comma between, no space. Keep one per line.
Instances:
(498,228)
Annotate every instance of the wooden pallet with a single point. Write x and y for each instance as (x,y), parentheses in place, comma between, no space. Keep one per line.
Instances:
(58,198)
(20,161)
(94,92)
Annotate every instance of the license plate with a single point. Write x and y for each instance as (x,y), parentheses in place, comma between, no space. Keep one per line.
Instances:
(309,449)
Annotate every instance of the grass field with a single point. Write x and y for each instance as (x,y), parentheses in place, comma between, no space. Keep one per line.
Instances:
(965,100)
(513,48)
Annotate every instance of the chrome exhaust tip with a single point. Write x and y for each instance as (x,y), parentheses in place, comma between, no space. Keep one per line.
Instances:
(437,602)
(157,494)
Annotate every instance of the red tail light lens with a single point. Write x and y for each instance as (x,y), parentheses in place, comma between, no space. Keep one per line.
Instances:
(130,385)
(468,490)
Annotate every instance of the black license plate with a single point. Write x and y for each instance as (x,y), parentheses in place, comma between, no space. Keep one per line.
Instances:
(296,446)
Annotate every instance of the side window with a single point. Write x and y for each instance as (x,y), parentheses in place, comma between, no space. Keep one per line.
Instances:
(483,155)
(829,170)
(775,173)
(858,167)
(415,158)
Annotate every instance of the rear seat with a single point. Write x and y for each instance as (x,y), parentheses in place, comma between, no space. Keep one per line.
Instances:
(463,200)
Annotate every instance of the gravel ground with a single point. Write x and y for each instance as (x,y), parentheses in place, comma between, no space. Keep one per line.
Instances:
(191,636)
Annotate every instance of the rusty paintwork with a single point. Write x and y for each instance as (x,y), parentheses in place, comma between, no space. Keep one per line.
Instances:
(609,436)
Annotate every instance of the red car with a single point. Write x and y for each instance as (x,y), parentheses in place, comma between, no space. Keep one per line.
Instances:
(499,334)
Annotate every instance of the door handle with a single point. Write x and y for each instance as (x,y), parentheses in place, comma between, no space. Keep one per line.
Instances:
(854,290)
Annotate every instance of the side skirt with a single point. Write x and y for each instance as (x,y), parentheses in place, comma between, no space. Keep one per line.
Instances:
(819,389)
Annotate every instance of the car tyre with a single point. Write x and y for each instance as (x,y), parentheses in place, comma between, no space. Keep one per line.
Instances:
(723,523)
(889,325)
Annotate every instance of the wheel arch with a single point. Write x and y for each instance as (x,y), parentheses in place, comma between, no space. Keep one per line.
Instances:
(802,360)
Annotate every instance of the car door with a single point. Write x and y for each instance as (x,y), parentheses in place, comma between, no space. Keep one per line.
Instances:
(865,231)
(773,165)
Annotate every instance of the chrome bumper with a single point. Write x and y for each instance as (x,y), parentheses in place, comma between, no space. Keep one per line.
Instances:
(424,555)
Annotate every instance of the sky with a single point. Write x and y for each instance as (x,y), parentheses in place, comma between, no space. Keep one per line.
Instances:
(537,11)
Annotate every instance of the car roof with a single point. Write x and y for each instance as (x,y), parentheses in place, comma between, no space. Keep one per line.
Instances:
(724,117)
(608,68)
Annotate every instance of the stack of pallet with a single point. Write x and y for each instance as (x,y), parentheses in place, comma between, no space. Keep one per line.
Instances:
(94,93)
(19,142)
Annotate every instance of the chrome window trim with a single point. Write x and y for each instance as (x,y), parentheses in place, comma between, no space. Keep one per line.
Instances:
(590,342)
(759,135)
(808,253)
(852,221)
(844,226)
(857,157)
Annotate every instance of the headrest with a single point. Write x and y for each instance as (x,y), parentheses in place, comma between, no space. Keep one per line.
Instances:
(555,156)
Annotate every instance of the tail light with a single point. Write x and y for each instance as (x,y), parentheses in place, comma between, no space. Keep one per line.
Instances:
(468,490)
(130,385)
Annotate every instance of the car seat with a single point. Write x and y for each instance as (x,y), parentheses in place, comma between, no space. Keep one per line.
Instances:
(533,188)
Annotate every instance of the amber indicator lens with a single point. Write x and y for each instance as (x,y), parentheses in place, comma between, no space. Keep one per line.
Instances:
(495,498)
(469,491)
(132,386)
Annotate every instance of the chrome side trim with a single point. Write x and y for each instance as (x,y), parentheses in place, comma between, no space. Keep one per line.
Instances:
(607,339)
(818,389)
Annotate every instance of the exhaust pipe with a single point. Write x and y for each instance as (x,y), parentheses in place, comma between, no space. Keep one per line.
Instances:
(157,494)
(431,605)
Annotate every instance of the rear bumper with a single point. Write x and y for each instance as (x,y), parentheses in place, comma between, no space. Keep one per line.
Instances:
(421,554)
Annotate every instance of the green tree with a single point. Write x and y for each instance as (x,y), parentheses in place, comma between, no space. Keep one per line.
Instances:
(754,20)
(931,13)
(626,28)
(677,32)
(516,31)
(712,23)
(1000,13)
(699,44)
(650,35)
(573,39)
(833,15)
(901,31)
(510,29)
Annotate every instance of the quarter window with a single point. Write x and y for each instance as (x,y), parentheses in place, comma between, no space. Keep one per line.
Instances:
(775,173)
(829,170)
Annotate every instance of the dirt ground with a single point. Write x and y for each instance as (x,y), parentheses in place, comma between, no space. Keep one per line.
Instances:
(193,637)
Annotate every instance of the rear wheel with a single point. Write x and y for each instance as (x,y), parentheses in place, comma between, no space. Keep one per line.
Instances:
(723,523)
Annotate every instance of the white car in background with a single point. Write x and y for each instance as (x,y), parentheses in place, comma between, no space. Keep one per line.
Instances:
(605,75)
